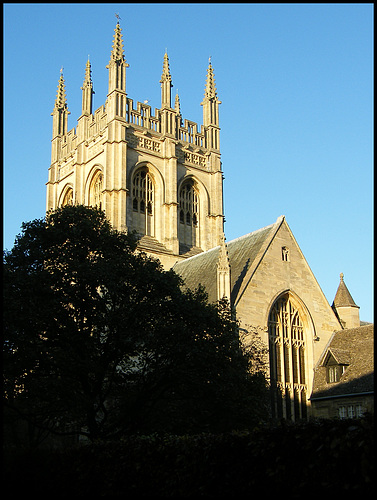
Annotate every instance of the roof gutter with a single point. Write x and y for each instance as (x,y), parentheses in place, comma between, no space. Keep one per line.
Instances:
(341,396)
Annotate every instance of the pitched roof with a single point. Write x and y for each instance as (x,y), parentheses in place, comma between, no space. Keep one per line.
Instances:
(244,255)
(343,298)
(353,347)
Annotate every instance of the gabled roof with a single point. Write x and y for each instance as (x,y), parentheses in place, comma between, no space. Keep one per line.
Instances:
(244,254)
(353,347)
(341,356)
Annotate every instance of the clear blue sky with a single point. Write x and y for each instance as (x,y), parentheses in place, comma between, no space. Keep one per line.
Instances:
(296,85)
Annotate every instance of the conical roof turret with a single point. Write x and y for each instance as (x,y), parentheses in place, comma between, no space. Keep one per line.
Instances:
(344,306)
(343,298)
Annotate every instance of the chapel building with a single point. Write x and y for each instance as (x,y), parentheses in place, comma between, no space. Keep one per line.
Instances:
(161,176)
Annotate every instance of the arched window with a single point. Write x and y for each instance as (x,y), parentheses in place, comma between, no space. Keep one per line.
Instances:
(68,197)
(287,360)
(188,215)
(95,193)
(143,202)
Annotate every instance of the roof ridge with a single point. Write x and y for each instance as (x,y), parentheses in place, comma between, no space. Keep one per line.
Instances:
(279,219)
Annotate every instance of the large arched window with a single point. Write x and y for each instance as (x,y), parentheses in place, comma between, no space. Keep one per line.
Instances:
(143,202)
(68,197)
(188,215)
(95,191)
(287,360)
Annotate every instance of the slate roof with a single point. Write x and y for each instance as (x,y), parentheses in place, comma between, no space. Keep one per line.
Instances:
(243,253)
(353,347)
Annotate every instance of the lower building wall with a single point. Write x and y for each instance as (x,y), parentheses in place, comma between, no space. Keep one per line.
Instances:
(344,407)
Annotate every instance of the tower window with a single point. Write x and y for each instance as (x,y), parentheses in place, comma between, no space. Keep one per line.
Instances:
(143,202)
(95,195)
(68,197)
(188,204)
(188,226)
(142,191)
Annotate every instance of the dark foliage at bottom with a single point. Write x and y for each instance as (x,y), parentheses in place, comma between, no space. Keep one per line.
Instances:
(300,459)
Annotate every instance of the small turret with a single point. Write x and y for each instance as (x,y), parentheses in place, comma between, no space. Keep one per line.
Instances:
(344,306)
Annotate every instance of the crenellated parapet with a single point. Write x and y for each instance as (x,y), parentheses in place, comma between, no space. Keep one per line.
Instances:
(166,121)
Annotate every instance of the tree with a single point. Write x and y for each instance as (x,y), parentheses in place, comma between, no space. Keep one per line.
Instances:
(99,340)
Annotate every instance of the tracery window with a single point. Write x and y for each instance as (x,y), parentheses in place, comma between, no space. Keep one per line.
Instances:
(188,207)
(143,201)
(95,195)
(68,197)
(287,360)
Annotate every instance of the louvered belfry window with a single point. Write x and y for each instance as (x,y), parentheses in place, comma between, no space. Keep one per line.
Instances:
(287,360)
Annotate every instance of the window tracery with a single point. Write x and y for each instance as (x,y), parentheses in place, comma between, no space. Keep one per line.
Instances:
(143,201)
(287,360)
(68,197)
(188,206)
(95,194)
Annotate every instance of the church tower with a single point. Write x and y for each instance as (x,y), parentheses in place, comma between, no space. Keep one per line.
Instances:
(156,174)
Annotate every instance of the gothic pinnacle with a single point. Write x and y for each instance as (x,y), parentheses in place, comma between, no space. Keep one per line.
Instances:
(117,53)
(166,84)
(61,100)
(177,104)
(210,88)
(87,88)
(166,76)
(88,76)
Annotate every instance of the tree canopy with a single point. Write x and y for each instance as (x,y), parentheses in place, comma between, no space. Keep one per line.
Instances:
(100,340)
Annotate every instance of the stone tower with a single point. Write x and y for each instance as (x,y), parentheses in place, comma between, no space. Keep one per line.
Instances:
(156,174)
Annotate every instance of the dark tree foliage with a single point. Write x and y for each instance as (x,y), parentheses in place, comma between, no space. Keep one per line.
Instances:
(99,340)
